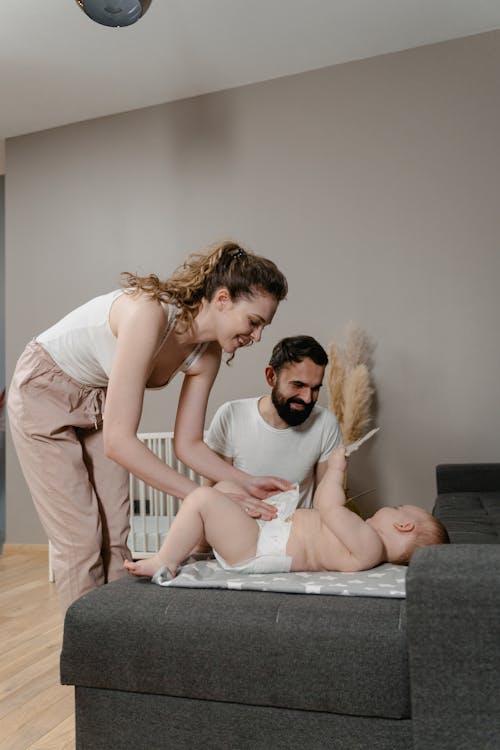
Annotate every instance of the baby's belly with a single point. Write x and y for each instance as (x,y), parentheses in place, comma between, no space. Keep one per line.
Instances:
(302,542)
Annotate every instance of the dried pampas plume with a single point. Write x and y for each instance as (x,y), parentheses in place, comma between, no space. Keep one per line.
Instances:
(350,387)
(350,384)
(358,348)
(358,393)
(336,376)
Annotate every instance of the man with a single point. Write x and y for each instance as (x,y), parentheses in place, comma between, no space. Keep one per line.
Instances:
(284,433)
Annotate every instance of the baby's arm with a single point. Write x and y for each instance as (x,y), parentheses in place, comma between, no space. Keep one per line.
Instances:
(330,491)
(360,539)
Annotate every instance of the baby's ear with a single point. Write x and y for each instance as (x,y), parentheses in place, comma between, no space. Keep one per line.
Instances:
(404,526)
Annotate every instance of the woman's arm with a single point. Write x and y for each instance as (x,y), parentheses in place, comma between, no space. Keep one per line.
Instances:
(139,328)
(188,434)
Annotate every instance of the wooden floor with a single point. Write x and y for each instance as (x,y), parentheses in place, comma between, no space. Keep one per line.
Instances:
(36,712)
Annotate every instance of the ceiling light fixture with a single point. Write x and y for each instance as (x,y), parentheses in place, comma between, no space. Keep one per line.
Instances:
(114,12)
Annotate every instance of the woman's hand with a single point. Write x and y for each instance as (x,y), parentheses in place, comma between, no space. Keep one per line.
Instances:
(253,507)
(262,487)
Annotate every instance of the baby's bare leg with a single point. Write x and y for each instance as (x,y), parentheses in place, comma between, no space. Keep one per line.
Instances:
(202,546)
(205,511)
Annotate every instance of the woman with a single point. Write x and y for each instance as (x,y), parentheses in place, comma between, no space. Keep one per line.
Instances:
(76,461)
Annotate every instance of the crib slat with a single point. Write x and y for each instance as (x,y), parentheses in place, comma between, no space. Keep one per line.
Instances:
(171,461)
(156,509)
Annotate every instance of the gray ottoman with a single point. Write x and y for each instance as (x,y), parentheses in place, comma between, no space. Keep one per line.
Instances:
(180,669)
(184,668)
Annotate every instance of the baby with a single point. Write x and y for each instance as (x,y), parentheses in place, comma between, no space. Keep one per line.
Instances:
(327,536)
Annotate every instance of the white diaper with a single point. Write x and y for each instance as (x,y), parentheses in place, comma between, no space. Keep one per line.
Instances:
(270,556)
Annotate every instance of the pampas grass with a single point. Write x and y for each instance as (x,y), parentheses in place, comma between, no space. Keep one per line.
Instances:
(335,383)
(358,347)
(358,393)
(350,386)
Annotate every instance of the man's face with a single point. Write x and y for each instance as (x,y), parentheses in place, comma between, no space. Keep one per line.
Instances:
(296,390)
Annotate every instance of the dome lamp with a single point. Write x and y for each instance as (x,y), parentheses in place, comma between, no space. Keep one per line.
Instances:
(114,12)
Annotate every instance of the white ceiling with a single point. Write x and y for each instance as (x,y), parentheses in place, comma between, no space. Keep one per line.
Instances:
(57,66)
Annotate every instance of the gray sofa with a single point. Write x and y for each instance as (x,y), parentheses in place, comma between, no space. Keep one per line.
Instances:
(179,669)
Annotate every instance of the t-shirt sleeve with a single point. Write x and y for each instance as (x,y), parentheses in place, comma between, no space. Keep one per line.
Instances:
(219,434)
(332,436)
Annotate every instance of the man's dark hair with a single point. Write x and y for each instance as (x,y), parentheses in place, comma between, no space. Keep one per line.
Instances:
(295,349)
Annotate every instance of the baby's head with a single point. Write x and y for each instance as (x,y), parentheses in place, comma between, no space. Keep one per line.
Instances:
(403,528)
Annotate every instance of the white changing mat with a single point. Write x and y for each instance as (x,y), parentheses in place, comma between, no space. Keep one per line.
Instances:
(386,580)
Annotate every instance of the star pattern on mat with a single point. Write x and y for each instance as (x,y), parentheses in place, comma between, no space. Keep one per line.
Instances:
(386,580)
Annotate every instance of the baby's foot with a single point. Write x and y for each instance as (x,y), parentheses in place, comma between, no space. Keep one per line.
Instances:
(146,567)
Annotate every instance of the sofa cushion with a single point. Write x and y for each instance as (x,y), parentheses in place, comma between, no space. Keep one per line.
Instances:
(335,654)
(470,517)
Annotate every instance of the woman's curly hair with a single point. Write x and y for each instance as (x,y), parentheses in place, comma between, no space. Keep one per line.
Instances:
(224,265)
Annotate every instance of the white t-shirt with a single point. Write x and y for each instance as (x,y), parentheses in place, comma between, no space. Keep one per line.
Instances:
(238,431)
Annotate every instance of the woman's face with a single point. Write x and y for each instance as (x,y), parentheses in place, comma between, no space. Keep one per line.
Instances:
(240,321)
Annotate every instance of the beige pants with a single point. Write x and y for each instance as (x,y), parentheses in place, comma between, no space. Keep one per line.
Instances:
(80,495)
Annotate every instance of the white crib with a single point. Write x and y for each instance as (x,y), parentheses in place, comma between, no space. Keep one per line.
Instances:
(151,511)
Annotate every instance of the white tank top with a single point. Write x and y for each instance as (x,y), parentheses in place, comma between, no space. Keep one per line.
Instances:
(83,345)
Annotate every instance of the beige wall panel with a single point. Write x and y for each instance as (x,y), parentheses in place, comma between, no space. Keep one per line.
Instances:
(374,185)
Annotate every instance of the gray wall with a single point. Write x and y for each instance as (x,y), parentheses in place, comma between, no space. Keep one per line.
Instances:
(373,185)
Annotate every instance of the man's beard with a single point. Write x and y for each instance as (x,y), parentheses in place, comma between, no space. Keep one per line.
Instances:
(292,417)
